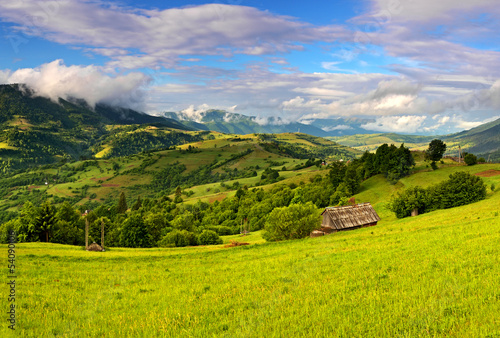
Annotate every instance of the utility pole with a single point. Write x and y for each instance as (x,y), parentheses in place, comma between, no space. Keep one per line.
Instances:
(102,233)
(86,233)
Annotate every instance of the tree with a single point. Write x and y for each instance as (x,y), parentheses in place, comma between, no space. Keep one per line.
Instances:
(178,191)
(175,238)
(45,220)
(122,204)
(209,237)
(293,222)
(436,150)
(137,205)
(460,189)
(470,159)
(134,232)
(412,198)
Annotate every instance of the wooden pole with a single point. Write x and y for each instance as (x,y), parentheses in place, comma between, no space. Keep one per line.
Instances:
(86,233)
(102,233)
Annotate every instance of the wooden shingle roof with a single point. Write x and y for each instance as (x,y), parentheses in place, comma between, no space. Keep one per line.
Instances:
(350,216)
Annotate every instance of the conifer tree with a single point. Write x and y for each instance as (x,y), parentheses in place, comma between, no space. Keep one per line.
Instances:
(122,204)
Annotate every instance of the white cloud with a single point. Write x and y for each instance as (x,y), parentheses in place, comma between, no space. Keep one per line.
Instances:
(396,124)
(55,80)
(425,10)
(337,127)
(195,114)
(142,38)
(4,76)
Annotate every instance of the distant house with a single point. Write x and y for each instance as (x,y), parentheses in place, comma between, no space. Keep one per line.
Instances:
(347,217)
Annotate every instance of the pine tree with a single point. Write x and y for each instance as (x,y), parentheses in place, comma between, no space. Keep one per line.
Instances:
(122,204)
(45,220)
(138,204)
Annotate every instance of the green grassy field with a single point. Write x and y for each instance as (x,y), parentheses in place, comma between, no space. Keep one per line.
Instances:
(436,274)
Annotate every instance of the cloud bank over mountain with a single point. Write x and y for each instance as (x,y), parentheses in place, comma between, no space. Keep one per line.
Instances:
(55,80)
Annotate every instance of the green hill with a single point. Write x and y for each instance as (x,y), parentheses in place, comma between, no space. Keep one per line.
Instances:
(436,274)
(126,160)
(482,141)
(36,130)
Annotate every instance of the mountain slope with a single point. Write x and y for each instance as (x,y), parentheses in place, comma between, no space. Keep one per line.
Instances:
(225,122)
(483,140)
(36,130)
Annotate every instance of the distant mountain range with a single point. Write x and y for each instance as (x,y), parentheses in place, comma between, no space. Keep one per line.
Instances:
(226,122)
(35,130)
(482,141)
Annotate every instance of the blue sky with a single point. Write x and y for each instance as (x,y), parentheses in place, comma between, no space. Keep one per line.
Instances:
(411,66)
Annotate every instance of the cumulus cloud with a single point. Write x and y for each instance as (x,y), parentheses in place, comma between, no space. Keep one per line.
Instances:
(398,124)
(4,76)
(55,80)
(195,114)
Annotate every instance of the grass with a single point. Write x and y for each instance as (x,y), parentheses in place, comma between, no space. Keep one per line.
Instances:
(436,274)
(4,145)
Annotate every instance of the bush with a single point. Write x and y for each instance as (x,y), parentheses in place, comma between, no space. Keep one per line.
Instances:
(470,159)
(406,201)
(179,238)
(209,237)
(460,189)
(293,222)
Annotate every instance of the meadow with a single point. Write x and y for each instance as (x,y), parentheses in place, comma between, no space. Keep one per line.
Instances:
(436,274)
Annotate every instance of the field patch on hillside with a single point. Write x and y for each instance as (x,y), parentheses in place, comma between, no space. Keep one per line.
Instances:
(489,173)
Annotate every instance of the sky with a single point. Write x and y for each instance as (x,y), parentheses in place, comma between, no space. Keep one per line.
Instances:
(419,67)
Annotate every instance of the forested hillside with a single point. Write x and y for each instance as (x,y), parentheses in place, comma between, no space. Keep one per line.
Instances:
(36,130)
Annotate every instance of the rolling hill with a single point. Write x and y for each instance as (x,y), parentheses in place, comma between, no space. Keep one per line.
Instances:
(482,141)
(436,274)
(206,160)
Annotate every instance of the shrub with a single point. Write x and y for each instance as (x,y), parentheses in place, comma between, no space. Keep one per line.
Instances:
(179,238)
(406,201)
(460,189)
(293,222)
(481,160)
(470,159)
(209,237)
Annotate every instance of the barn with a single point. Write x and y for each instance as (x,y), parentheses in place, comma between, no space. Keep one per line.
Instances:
(348,217)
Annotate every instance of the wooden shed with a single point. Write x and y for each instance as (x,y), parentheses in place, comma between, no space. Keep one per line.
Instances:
(348,217)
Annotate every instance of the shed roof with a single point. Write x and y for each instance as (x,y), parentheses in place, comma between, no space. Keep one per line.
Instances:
(350,216)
